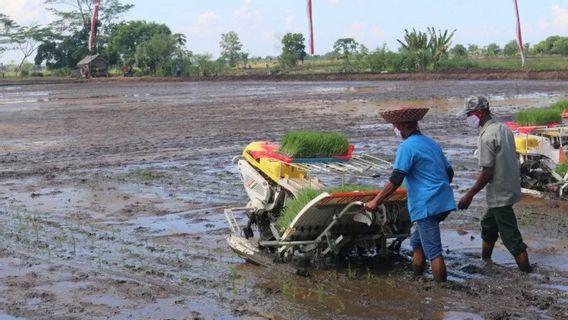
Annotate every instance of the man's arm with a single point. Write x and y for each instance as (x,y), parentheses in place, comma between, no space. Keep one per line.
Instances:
(482,180)
(390,187)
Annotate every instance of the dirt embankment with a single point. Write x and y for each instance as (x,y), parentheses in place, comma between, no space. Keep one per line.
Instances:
(447,75)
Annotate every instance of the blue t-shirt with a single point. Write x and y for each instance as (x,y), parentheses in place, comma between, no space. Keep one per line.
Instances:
(425,167)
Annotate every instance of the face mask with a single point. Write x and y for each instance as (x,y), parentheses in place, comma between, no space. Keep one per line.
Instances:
(472,121)
(397,133)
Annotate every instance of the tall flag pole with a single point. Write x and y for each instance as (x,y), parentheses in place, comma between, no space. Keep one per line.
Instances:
(519,34)
(93,26)
(310,16)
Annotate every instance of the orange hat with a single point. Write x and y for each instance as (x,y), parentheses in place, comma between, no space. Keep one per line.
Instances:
(404,115)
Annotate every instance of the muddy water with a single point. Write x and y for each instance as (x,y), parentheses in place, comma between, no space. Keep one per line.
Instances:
(112,198)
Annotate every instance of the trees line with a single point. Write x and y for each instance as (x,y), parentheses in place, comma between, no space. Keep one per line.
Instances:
(152,48)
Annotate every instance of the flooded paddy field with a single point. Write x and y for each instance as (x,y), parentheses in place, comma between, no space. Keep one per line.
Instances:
(112,198)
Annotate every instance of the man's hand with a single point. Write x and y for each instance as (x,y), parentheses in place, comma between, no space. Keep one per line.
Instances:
(371,205)
(482,180)
(465,201)
(379,198)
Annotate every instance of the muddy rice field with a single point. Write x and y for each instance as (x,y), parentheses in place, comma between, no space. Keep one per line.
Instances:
(112,196)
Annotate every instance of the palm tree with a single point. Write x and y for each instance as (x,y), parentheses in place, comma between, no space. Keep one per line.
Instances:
(416,43)
(439,45)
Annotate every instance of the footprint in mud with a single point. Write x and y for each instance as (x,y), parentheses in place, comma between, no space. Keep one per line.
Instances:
(473,269)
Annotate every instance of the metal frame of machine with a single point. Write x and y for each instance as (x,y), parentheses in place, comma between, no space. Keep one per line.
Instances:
(325,225)
(540,151)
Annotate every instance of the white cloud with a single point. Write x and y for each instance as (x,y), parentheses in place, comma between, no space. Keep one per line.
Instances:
(482,35)
(370,36)
(26,12)
(206,31)
(543,24)
(246,12)
(333,2)
(290,22)
(377,32)
(356,30)
(277,38)
(251,27)
(207,19)
(560,17)
(558,23)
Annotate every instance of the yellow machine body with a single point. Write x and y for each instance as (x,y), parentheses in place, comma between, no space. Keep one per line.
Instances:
(524,143)
(275,169)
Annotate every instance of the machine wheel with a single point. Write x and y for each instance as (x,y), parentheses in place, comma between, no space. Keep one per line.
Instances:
(247,231)
(395,246)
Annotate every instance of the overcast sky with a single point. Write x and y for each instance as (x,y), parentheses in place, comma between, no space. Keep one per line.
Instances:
(261,23)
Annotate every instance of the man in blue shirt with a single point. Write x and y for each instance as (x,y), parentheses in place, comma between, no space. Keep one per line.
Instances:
(421,163)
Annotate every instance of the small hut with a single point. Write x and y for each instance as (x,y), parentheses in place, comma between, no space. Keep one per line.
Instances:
(93,66)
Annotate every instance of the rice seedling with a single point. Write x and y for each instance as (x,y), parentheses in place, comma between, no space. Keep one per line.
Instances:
(179,260)
(351,273)
(305,196)
(290,288)
(245,282)
(340,305)
(59,238)
(35,220)
(562,168)
(306,144)
(73,242)
(561,106)
(535,117)
(99,258)
(293,208)
(234,275)
(369,275)
(319,292)
(285,287)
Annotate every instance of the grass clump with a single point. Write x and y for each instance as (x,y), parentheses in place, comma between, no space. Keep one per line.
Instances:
(307,144)
(305,196)
(535,117)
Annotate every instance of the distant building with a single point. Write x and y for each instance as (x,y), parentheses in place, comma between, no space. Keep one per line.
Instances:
(93,66)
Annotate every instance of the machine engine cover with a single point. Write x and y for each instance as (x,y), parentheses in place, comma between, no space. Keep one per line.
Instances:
(256,186)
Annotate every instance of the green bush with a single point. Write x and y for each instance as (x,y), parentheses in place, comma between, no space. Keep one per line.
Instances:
(376,61)
(457,64)
(306,144)
(536,117)
(305,196)
(61,72)
(399,62)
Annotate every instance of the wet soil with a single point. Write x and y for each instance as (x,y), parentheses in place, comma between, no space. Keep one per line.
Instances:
(112,198)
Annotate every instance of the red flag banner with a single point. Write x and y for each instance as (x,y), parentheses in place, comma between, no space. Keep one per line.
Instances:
(519,33)
(311,19)
(93,26)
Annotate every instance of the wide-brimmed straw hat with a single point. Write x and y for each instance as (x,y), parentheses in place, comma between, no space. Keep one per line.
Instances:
(404,115)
